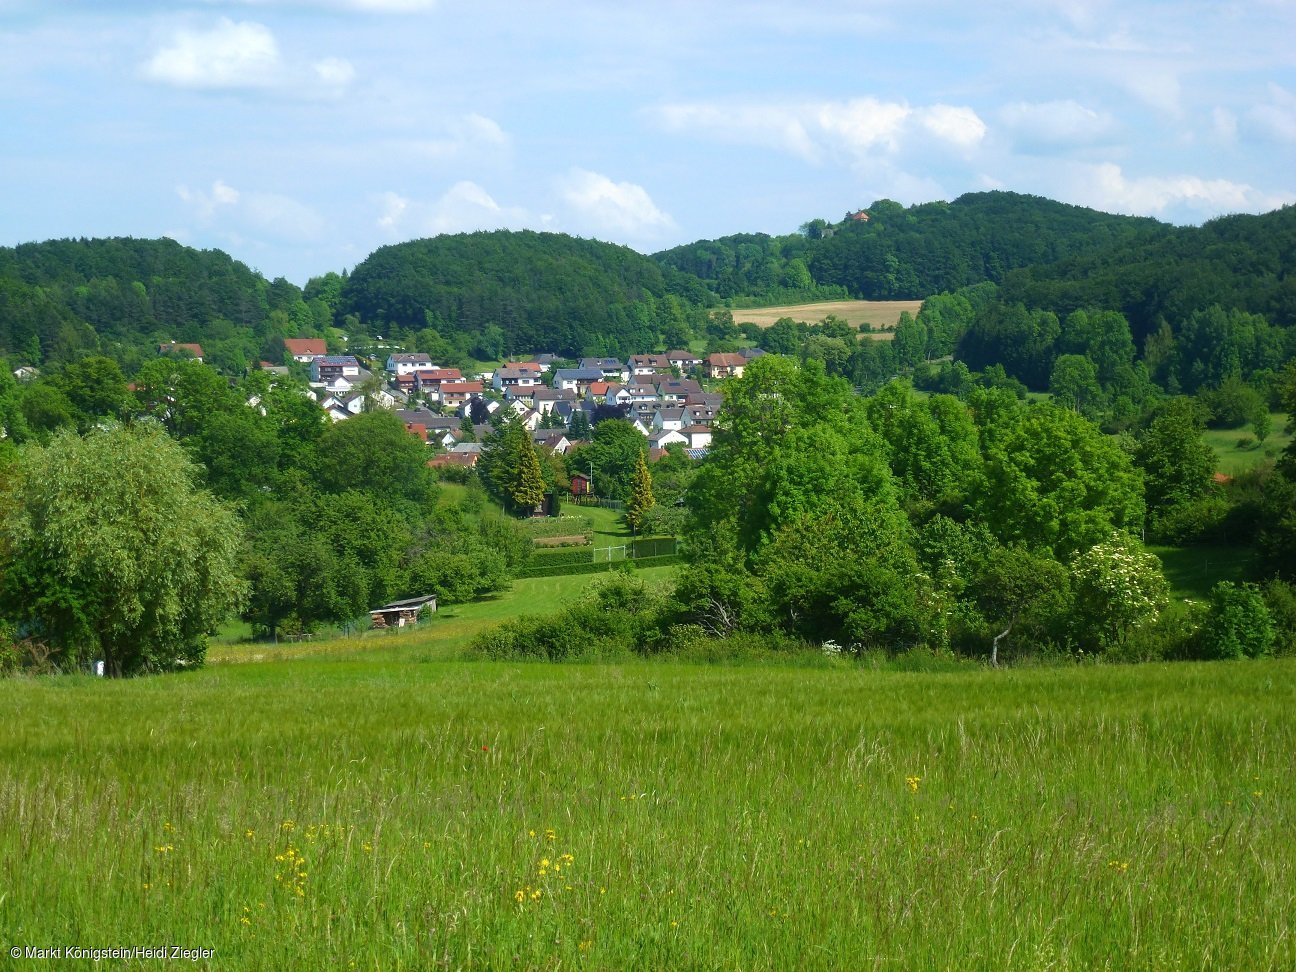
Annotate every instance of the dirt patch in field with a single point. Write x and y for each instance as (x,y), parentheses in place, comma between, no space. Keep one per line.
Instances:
(562,541)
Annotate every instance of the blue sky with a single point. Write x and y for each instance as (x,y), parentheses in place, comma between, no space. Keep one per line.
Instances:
(299,135)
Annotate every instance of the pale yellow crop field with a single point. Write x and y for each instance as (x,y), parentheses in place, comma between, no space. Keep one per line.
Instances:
(878,313)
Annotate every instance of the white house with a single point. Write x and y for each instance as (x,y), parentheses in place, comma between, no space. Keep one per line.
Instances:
(403,364)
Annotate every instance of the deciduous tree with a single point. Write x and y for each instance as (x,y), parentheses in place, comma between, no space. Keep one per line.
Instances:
(111,552)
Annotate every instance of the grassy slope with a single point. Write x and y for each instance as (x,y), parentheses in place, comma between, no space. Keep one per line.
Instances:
(1233,460)
(1193,571)
(313,814)
(443,636)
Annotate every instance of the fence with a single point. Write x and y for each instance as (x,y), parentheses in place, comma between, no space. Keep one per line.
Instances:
(659,550)
(648,547)
(585,499)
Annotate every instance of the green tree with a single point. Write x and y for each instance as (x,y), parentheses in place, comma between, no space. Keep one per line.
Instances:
(641,495)
(1176,461)
(1239,624)
(111,552)
(1053,479)
(1119,586)
(528,487)
(1074,384)
(96,388)
(614,450)
(373,452)
(1010,582)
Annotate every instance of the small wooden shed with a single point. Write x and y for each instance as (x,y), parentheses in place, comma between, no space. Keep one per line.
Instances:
(397,614)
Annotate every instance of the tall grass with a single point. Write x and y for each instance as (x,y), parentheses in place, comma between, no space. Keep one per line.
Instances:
(650,815)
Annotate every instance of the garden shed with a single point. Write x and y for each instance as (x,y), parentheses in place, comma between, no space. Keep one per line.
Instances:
(397,614)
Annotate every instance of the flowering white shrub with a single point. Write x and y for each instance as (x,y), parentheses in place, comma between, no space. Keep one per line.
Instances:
(1119,586)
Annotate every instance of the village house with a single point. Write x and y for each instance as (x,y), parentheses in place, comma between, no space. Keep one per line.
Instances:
(544,399)
(698,436)
(725,365)
(531,366)
(544,361)
(685,361)
(649,364)
(193,350)
(677,390)
(324,369)
(669,419)
(577,379)
(515,378)
(642,392)
(464,460)
(305,350)
(403,364)
(658,439)
(611,368)
(552,440)
(455,394)
(699,414)
(426,380)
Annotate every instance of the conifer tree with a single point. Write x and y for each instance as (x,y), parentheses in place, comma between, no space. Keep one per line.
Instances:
(641,495)
(528,490)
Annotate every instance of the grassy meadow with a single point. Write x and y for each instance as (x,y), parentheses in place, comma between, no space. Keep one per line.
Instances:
(877,313)
(1238,451)
(375,812)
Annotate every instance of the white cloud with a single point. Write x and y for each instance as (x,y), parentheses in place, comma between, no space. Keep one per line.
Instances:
(469,135)
(1106,187)
(393,210)
(620,208)
(363,6)
(388,6)
(1275,121)
(236,55)
(958,126)
(1051,125)
(262,214)
(232,54)
(860,129)
(205,204)
(334,71)
(1224,124)
(463,208)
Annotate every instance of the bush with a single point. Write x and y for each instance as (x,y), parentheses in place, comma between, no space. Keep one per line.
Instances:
(618,615)
(1280,598)
(1175,634)
(1239,624)
(559,526)
(1195,521)
(559,556)
(689,642)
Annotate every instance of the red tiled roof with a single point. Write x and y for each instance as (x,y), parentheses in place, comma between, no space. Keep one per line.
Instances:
(306,346)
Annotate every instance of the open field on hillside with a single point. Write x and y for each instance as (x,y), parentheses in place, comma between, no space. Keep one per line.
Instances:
(1235,458)
(1193,571)
(878,313)
(443,636)
(374,814)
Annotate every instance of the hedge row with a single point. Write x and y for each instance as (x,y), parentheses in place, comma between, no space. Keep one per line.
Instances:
(563,570)
(561,556)
(558,526)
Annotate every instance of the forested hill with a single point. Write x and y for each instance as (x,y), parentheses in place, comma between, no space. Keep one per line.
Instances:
(520,291)
(1242,262)
(899,253)
(62,298)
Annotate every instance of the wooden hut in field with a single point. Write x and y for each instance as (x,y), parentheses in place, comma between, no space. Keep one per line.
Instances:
(397,614)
